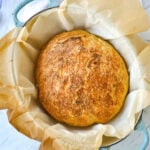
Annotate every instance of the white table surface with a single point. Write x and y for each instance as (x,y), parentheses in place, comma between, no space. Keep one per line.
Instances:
(11,139)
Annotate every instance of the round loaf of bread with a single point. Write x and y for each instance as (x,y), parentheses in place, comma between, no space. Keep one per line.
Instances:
(81,79)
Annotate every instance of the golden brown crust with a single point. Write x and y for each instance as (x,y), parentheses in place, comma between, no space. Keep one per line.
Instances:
(81,79)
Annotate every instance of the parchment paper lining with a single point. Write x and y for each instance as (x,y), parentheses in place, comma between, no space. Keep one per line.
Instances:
(19,50)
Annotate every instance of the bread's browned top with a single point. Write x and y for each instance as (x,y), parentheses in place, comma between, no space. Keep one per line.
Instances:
(81,79)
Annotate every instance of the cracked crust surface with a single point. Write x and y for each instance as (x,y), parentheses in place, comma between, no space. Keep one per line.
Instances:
(81,79)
